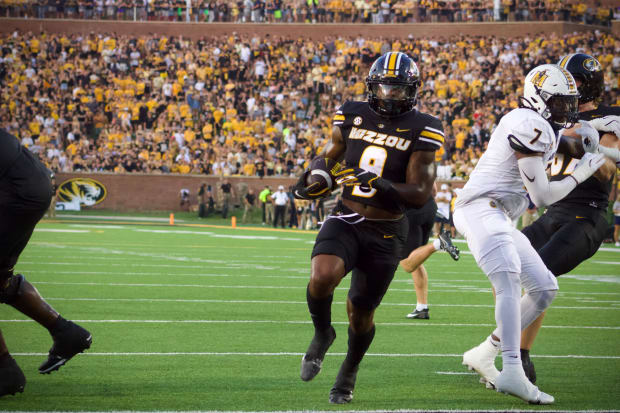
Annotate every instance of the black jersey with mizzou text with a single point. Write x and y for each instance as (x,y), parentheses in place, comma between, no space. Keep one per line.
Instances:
(591,192)
(383,146)
(9,150)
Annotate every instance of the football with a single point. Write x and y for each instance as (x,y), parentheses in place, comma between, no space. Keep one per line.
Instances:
(321,175)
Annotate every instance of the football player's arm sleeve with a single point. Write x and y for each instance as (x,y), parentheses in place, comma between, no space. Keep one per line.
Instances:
(610,147)
(541,190)
(613,153)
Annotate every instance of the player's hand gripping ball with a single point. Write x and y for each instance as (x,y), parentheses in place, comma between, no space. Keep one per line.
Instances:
(321,176)
(318,181)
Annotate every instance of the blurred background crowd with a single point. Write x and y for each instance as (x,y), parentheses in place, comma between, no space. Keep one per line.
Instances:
(299,11)
(251,106)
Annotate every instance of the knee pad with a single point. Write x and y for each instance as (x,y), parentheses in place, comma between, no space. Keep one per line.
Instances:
(11,288)
(542,299)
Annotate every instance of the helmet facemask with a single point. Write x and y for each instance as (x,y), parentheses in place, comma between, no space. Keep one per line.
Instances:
(391,99)
(563,110)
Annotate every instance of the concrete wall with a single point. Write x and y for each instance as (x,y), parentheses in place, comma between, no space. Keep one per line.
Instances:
(314,31)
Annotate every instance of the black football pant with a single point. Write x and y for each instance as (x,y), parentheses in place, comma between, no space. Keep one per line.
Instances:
(25,195)
(564,237)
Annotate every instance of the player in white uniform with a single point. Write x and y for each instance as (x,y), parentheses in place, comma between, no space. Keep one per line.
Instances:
(524,141)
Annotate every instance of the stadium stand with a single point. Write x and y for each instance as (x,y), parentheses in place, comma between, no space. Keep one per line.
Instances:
(311,11)
(246,105)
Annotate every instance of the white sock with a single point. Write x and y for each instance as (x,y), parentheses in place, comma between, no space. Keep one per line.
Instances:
(421,307)
(437,244)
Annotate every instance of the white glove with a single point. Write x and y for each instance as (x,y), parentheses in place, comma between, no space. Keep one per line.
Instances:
(589,137)
(587,166)
(609,124)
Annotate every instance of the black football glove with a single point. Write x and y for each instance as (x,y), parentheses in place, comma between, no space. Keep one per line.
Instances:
(312,191)
(365,179)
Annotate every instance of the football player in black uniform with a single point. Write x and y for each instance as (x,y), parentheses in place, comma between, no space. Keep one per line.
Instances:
(25,194)
(572,229)
(417,250)
(388,148)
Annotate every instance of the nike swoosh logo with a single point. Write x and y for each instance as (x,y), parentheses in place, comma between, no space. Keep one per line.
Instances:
(402,130)
(388,236)
(528,178)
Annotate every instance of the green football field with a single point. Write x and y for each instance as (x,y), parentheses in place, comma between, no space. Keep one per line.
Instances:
(197,318)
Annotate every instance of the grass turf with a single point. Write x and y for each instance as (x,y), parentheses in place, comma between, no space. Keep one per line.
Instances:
(196,317)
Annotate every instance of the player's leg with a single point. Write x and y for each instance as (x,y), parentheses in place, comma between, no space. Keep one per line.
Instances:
(370,279)
(12,378)
(420,283)
(480,226)
(364,297)
(334,249)
(418,256)
(540,288)
(573,241)
(21,209)
(361,333)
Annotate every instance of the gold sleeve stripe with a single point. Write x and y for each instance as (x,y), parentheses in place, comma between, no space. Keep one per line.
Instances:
(339,117)
(432,135)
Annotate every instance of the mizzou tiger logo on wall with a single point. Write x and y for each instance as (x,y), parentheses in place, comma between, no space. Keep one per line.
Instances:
(77,192)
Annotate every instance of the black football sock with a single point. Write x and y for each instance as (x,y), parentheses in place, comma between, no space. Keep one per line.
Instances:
(358,345)
(525,354)
(59,325)
(320,310)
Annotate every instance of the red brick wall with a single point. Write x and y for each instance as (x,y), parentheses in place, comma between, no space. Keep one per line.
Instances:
(314,31)
(145,192)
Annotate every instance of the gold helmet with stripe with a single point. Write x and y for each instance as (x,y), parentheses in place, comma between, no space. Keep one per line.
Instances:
(392,84)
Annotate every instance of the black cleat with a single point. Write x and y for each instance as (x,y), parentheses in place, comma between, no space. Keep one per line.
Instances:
(342,392)
(340,396)
(12,379)
(528,366)
(421,314)
(313,359)
(69,339)
(447,245)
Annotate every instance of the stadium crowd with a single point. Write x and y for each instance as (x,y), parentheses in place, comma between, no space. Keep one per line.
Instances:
(248,105)
(369,11)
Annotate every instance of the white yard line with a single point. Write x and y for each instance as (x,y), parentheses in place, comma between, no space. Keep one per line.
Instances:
(394,324)
(384,304)
(267,287)
(321,411)
(295,354)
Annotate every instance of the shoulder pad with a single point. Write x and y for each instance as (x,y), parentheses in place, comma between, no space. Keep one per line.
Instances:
(529,133)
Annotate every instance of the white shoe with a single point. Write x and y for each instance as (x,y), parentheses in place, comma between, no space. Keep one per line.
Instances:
(482,359)
(514,382)
(617,244)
